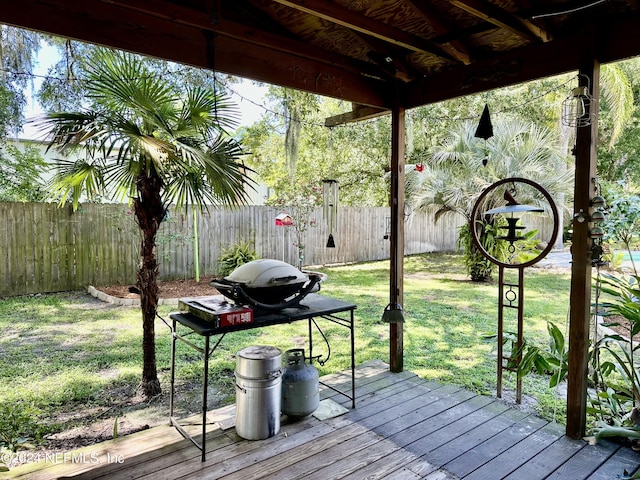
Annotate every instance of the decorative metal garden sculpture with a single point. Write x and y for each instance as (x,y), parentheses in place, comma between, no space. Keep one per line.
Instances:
(500,203)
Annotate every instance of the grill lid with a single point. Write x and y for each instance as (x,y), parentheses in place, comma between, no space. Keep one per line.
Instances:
(267,272)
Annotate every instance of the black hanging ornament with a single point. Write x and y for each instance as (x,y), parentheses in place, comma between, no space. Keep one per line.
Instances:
(485,129)
(331,242)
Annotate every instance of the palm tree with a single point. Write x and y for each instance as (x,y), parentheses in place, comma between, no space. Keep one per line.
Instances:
(454,176)
(153,145)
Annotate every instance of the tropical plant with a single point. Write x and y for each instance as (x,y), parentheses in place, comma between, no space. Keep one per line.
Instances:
(615,398)
(553,361)
(146,143)
(616,403)
(455,174)
(234,256)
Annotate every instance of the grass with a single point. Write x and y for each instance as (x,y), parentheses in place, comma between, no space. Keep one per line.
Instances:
(60,353)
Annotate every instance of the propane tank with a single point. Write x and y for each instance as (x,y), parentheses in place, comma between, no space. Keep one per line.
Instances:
(300,386)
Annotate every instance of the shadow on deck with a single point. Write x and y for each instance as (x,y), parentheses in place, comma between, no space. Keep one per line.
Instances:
(403,428)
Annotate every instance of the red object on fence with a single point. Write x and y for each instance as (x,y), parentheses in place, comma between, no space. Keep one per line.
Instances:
(284,220)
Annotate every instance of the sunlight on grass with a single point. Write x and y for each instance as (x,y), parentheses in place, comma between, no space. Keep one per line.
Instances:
(56,352)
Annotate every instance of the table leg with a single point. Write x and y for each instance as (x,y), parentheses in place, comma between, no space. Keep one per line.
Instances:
(353,363)
(310,342)
(173,369)
(205,388)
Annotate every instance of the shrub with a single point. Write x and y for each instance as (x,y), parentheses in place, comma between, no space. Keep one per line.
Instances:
(17,425)
(234,256)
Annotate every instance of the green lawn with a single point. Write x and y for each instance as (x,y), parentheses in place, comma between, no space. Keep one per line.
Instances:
(66,352)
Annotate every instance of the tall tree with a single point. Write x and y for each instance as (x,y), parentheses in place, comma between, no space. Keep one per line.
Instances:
(147,143)
(20,174)
(18,49)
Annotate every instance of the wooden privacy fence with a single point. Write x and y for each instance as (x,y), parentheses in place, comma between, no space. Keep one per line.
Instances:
(49,249)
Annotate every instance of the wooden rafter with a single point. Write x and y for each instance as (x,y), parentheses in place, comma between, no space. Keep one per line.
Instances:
(503,19)
(358,113)
(255,36)
(441,26)
(369,26)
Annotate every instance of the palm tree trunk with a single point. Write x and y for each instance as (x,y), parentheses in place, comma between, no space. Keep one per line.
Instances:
(149,212)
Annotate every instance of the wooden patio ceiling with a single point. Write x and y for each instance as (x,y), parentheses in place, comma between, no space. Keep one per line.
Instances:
(356,50)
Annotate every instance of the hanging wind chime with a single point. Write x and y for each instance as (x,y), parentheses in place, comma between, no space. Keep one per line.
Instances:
(330,207)
(485,131)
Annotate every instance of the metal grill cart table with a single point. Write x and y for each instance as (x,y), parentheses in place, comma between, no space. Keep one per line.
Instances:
(312,308)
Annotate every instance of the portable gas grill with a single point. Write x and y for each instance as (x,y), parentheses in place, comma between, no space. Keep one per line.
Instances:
(261,293)
(268,285)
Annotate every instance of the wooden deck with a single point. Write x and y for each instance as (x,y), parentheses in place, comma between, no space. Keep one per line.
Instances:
(403,428)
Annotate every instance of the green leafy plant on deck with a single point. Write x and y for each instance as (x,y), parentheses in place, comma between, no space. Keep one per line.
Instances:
(553,361)
(617,376)
(234,256)
(616,403)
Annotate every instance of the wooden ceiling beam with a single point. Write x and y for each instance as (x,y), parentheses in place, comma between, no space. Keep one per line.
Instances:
(369,26)
(245,33)
(503,19)
(441,26)
(357,114)
(617,41)
(114,26)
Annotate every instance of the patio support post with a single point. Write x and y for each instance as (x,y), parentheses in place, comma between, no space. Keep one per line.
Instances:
(396,276)
(580,300)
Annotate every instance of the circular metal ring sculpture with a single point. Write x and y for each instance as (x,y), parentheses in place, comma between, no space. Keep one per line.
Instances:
(474,222)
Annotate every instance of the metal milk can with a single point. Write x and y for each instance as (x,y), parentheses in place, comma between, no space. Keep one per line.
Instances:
(300,386)
(258,380)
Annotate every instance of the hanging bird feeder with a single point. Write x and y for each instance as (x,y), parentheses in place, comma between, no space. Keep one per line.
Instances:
(509,210)
(330,208)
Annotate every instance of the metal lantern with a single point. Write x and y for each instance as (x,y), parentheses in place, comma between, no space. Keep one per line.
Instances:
(577,108)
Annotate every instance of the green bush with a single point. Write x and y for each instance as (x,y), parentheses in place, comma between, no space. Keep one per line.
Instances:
(234,256)
(18,425)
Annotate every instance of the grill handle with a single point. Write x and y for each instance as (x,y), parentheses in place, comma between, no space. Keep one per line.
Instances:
(240,294)
(284,279)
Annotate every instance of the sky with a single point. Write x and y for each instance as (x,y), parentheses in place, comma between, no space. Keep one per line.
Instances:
(249,97)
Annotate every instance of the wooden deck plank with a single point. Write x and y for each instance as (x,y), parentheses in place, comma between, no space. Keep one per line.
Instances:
(582,465)
(240,460)
(512,458)
(184,464)
(485,451)
(549,459)
(429,419)
(623,459)
(468,419)
(326,457)
(384,466)
(477,435)
(402,428)
(403,474)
